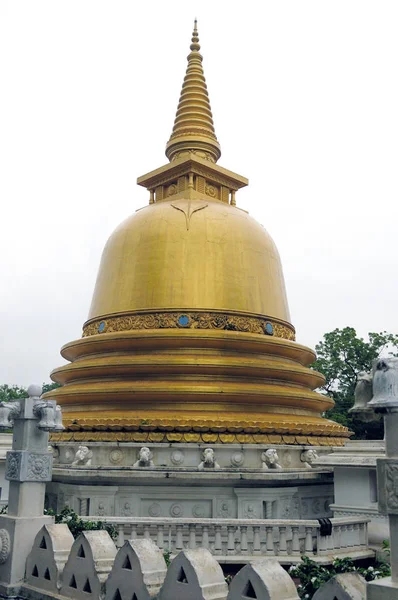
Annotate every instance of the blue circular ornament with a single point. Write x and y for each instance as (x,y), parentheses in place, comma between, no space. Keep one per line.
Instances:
(183,320)
(101,327)
(269,329)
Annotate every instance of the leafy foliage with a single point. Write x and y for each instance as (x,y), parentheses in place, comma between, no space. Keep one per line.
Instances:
(77,525)
(341,355)
(312,575)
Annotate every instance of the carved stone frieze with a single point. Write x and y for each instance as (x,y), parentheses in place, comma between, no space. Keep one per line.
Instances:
(23,465)
(190,320)
(116,456)
(5,545)
(391,475)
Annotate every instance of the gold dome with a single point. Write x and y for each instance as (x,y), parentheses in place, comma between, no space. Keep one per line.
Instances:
(189,335)
(218,258)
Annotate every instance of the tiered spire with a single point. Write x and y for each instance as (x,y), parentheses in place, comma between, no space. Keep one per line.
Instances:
(193,129)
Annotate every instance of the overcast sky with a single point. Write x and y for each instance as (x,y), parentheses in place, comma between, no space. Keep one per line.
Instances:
(305,102)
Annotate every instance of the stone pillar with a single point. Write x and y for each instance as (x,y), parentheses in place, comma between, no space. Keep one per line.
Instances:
(385,401)
(28,468)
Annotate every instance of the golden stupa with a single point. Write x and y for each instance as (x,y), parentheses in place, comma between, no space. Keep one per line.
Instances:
(189,336)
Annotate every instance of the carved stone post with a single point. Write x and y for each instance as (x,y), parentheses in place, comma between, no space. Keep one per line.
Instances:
(385,401)
(28,468)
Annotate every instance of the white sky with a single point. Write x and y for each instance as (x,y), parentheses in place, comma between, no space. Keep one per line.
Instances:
(305,101)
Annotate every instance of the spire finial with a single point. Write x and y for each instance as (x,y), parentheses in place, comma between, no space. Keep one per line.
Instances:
(193,129)
(195,37)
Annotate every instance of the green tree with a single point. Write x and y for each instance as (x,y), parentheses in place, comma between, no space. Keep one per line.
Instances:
(341,355)
(8,393)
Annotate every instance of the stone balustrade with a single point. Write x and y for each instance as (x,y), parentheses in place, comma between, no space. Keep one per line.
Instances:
(239,540)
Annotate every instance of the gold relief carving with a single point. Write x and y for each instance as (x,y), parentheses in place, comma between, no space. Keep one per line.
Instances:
(244,438)
(260,438)
(188,320)
(227,438)
(139,437)
(200,184)
(225,194)
(181,184)
(188,210)
(283,332)
(211,190)
(289,439)
(174,437)
(215,177)
(256,438)
(300,439)
(192,437)
(172,190)
(156,437)
(209,437)
(275,439)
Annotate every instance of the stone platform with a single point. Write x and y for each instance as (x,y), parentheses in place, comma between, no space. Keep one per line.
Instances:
(176,482)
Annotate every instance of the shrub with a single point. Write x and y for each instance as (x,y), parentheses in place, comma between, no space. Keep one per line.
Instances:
(312,575)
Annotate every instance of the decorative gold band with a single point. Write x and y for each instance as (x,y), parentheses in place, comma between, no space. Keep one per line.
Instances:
(191,320)
(206,438)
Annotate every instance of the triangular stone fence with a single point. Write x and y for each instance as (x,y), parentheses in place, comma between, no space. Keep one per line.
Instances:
(88,567)
(139,569)
(194,575)
(47,559)
(264,579)
(346,586)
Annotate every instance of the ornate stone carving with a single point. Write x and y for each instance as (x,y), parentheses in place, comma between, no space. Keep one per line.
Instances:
(83,457)
(198,511)
(391,474)
(308,456)
(101,509)
(116,456)
(208,460)
(5,545)
(316,506)
(126,510)
(224,509)
(144,458)
(196,320)
(250,511)
(23,465)
(237,459)
(8,412)
(177,457)
(39,467)
(270,459)
(154,510)
(13,465)
(176,510)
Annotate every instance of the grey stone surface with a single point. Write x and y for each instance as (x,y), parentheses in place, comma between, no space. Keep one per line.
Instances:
(47,559)
(385,383)
(382,589)
(263,579)
(346,586)
(139,569)
(88,566)
(194,575)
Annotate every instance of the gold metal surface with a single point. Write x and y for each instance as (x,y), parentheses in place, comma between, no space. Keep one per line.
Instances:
(186,319)
(193,125)
(176,347)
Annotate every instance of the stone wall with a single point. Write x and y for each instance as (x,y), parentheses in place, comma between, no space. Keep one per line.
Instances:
(90,568)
